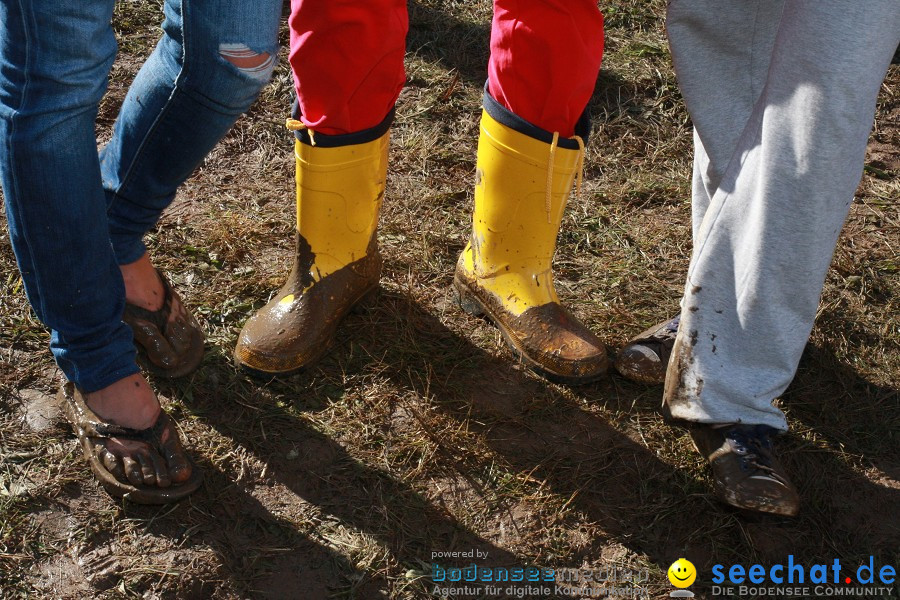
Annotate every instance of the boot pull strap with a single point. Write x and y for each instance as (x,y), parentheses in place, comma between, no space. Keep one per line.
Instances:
(579,169)
(547,198)
(295,125)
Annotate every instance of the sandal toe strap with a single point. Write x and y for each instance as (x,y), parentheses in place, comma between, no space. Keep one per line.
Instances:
(159,317)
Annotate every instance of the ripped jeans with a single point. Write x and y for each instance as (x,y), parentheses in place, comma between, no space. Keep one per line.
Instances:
(75,214)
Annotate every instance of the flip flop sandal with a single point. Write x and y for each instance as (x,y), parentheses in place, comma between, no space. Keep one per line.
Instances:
(167,349)
(92,430)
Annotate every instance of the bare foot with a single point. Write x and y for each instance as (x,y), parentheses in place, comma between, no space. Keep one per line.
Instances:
(142,284)
(167,335)
(130,402)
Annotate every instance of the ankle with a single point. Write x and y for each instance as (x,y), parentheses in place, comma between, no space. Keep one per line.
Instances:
(143,286)
(128,402)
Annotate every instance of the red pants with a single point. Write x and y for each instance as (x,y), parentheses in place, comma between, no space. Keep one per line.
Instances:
(347,58)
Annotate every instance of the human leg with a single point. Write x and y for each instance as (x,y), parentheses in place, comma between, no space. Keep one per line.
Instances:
(206,70)
(721,53)
(51,183)
(544,63)
(56,210)
(545,57)
(347,59)
(764,243)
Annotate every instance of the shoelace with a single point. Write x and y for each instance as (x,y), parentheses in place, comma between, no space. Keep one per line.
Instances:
(295,125)
(753,447)
(672,326)
(579,169)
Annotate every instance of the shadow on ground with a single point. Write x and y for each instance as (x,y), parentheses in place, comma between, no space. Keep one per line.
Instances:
(549,440)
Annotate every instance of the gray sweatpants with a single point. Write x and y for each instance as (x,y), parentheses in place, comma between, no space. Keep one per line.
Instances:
(782,96)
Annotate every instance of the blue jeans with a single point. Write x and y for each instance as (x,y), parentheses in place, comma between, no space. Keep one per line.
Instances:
(75,215)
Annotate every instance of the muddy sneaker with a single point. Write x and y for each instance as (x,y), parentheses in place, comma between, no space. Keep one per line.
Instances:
(645,357)
(746,473)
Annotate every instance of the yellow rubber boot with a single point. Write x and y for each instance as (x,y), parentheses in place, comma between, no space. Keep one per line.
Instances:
(339,194)
(504,272)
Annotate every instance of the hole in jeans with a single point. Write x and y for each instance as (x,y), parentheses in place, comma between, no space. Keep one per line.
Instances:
(258,65)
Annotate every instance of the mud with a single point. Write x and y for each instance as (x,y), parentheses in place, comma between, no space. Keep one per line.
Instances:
(170,341)
(298,325)
(41,411)
(646,356)
(300,277)
(682,389)
(548,337)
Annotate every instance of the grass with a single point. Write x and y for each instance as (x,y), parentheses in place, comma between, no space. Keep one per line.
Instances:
(418,432)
